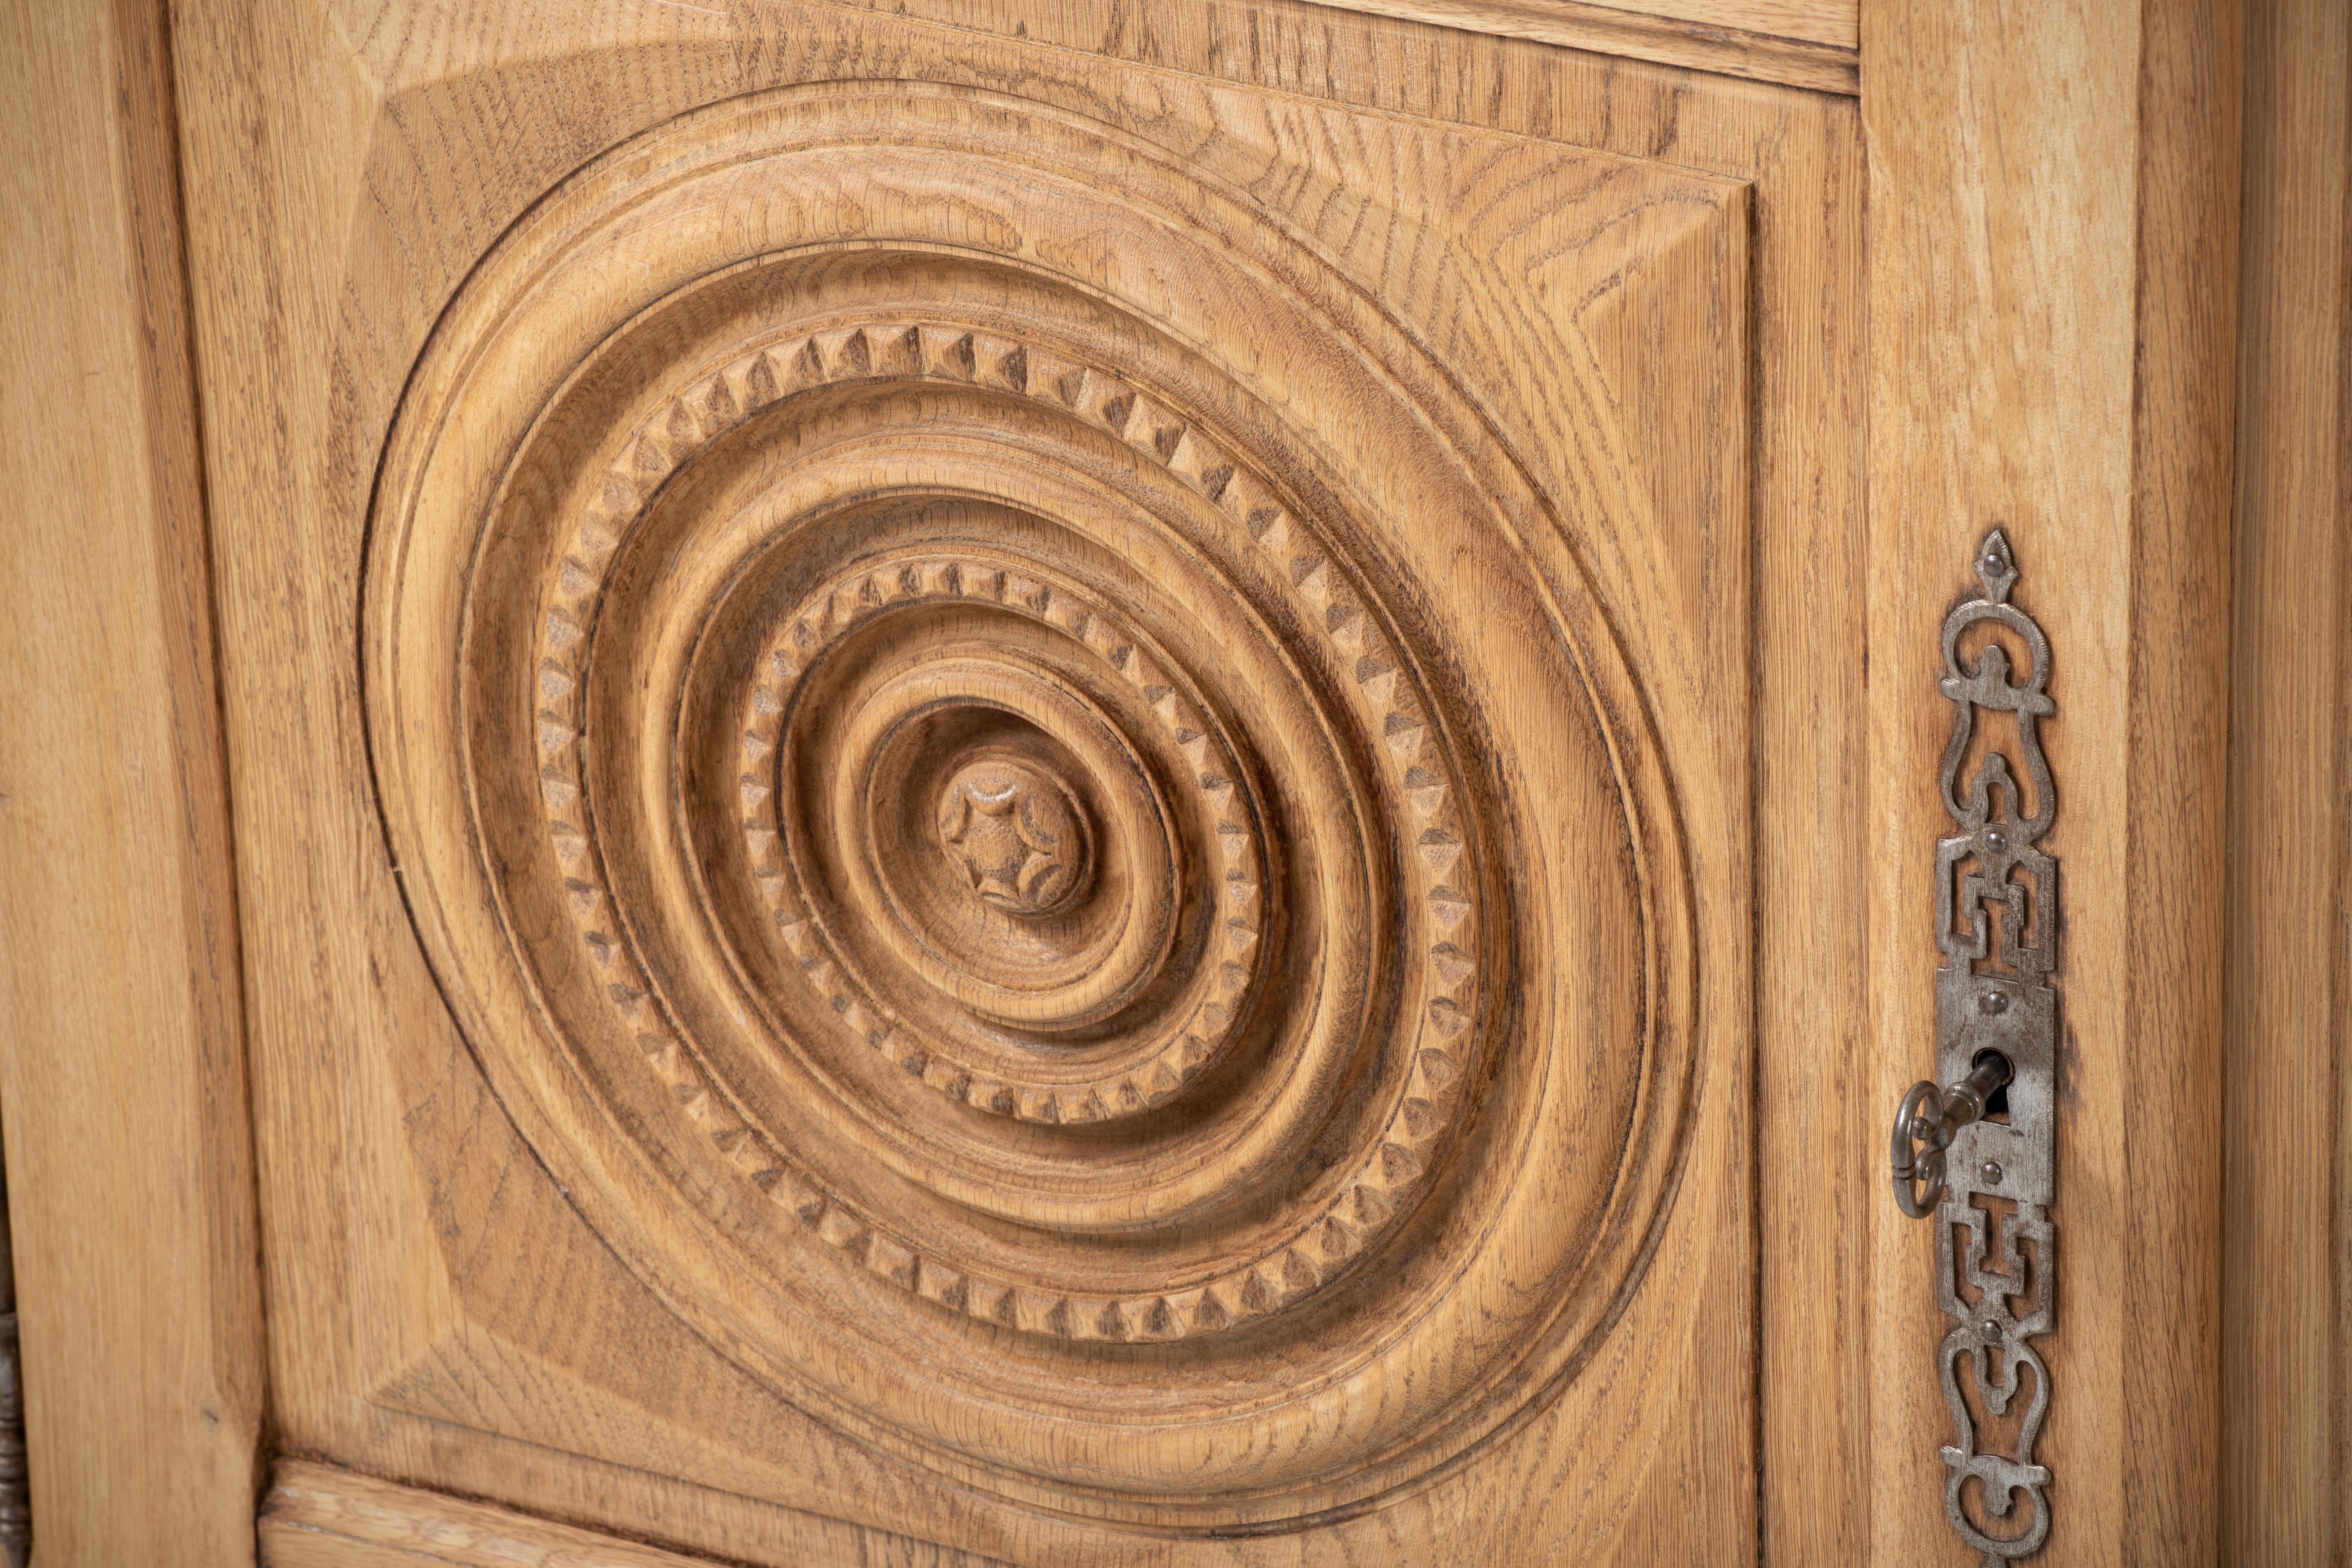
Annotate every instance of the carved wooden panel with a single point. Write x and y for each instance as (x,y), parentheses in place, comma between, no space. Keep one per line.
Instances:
(1055,891)
(1046,782)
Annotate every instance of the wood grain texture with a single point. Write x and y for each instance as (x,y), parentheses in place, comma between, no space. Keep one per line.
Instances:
(921,1374)
(120,1059)
(2284,1332)
(1802,45)
(318,1517)
(957,568)
(2054,240)
(451,1335)
(1835,23)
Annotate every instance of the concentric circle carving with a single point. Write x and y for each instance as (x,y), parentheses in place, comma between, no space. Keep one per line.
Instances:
(1011,861)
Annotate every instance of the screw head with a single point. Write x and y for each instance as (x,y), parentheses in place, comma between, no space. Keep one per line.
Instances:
(1991,1330)
(1992,1002)
(1991,1171)
(1997,840)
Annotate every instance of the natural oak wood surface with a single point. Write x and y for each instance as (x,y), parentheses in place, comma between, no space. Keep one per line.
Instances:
(460,1341)
(951,797)
(1835,23)
(2284,1227)
(121,1073)
(318,1517)
(1799,45)
(973,743)
(2053,327)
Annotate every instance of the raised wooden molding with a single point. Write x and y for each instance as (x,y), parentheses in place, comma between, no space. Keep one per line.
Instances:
(1798,43)
(121,1052)
(1837,23)
(316,1515)
(319,1517)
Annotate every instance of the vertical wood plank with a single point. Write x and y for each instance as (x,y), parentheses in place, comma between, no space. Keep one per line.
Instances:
(2283,1456)
(1817,1184)
(2053,277)
(121,1072)
(2169,1098)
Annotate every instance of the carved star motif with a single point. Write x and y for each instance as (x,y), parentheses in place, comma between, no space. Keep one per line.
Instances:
(1014,836)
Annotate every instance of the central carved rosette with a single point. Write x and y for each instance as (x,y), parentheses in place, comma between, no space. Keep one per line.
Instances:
(1016,835)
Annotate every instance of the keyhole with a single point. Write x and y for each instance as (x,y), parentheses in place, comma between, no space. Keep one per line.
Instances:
(1997,1102)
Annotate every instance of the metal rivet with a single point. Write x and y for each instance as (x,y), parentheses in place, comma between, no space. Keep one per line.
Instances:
(1991,1172)
(1991,1330)
(1992,1002)
(1997,839)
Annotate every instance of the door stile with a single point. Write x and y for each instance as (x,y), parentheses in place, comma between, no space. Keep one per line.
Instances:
(2284,1220)
(2053,300)
(122,1053)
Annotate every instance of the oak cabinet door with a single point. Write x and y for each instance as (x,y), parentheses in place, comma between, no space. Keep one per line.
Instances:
(1056,781)
(999,795)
